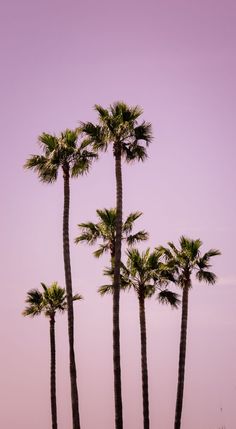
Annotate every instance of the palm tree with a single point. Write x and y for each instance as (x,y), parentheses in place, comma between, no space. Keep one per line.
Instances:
(187,260)
(64,152)
(48,302)
(118,126)
(145,273)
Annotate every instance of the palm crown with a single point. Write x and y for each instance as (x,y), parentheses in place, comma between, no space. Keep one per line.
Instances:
(62,151)
(145,273)
(187,259)
(49,301)
(105,231)
(119,125)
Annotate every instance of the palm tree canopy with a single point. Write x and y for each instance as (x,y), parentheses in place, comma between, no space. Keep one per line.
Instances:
(188,259)
(50,300)
(60,151)
(105,231)
(119,125)
(146,274)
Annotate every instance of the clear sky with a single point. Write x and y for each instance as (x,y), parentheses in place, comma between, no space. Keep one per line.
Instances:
(175,58)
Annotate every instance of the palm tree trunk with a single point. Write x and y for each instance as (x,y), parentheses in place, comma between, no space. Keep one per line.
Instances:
(116,294)
(53,372)
(70,311)
(143,336)
(182,355)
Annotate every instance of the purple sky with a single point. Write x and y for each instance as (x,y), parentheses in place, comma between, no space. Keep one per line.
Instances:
(177,60)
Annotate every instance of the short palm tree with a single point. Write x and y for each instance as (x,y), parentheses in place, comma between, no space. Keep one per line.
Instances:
(64,152)
(51,300)
(187,260)
(118,126)
(145,274)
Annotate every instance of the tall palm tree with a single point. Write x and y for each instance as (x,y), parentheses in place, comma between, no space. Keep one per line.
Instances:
(145,274)
(64,152)
(186,261)
(48,302)
(118,126)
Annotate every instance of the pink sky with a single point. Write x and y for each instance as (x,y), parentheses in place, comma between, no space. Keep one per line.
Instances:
(177,60)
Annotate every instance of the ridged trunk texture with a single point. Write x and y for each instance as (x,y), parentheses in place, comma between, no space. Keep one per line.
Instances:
(69,294)
(53,372)
(143,337)
(116,293)
(182,355)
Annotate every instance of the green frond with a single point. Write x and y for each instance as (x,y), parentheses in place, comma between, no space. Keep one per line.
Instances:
(103,113)
(90,233)
(82,161)
(34,299)
(34,296)
(131,218)
(203,262)
(103,248)
(48,143)
(164,252)
(68,139)
(45,288)
(96,135)
(173,248)
(107,217)
(134,152)
(32,311)
(144,132)
(168,297)
(149,290)
(136,238)
(190,247)
(206,276)
(213,252)
(46,171)
(126,113)
(77,297)
(105,289)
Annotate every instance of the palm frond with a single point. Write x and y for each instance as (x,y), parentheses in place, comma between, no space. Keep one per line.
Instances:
(107,216)
(77,297)
(34,299)
(103,248)
(136,238)
(90,233)
(46,171)
(144,132)
(96,135)
(82,162)
(206,276)
(190,247)
(168,297)
(48,142)
(105,289)
(131,218)
(134,152)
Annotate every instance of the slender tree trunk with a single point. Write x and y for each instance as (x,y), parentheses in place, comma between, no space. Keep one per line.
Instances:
(182,355)
(70,311)
(116,293)
(143,336)
(53,371)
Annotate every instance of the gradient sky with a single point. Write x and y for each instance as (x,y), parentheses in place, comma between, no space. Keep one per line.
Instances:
(175,58)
